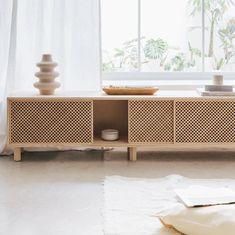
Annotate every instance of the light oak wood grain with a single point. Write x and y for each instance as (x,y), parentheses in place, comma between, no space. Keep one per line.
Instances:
(154,122)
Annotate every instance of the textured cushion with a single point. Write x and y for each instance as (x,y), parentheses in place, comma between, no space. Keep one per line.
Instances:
(211,220)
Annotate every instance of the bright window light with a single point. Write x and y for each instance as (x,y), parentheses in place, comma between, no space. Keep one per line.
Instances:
(168,36)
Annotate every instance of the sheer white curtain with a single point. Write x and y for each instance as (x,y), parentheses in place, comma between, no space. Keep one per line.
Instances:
(67,29)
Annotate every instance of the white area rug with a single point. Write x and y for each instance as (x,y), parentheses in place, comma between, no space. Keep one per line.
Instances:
(131,203)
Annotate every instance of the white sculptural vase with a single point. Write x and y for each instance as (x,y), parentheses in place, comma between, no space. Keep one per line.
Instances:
(46,75)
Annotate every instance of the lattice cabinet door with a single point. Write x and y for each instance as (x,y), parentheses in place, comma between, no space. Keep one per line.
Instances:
(205,121)
(151,121)
(50,121)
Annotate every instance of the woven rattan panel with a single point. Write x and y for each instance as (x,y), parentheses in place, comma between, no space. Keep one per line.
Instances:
(205,121)
(51,121)
(151,121)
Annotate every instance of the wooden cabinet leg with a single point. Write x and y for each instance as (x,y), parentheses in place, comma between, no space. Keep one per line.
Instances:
(132,153)
(17,154)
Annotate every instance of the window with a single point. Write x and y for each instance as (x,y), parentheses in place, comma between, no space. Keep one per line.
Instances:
(168,36)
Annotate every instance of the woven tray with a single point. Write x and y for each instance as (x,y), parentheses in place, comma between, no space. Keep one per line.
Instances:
(130,90)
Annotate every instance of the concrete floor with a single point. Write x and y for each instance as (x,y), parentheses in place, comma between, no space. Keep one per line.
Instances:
(55,193)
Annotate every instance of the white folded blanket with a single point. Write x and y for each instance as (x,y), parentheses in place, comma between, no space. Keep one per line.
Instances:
(211,220)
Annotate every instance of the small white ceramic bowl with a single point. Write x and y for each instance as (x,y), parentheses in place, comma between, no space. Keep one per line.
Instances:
(110,134)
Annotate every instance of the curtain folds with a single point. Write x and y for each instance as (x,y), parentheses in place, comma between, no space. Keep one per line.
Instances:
(67,29)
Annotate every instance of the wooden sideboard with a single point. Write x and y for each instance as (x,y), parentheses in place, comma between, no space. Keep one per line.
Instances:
(76,119)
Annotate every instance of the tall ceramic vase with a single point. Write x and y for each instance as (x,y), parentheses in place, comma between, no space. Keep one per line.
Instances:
(47,75)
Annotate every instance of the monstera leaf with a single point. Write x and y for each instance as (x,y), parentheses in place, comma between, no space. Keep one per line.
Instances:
(155,49)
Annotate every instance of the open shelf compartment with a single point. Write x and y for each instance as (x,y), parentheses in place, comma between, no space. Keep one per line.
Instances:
(110,114)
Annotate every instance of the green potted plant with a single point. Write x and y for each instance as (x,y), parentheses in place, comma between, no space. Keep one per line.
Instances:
(214,11)
(195,58)
(227,37)
(126,57)
(131,59)
(177,63)
(156,52)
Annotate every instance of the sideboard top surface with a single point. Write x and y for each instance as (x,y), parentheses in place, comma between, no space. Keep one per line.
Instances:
(99,95)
